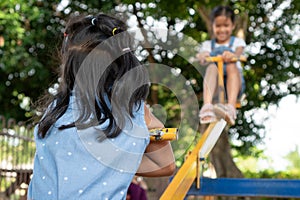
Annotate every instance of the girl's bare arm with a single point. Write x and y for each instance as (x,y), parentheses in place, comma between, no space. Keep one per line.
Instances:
(158,159)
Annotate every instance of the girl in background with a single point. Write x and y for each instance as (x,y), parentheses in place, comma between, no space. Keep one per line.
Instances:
(228,46)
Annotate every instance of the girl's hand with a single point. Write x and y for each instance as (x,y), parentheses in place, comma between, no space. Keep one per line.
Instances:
(158,159)
(202,57)
(228,56)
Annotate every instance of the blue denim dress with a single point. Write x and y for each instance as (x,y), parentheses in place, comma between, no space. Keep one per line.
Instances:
(215,51)
(71,164)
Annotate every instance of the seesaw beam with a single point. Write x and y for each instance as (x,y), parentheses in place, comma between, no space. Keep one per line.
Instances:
(243,187)
(188,172)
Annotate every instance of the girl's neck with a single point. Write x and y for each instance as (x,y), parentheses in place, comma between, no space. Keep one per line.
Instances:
(222,42)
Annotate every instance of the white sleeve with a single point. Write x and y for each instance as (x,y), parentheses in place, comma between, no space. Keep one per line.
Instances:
(205,46)
(238,42)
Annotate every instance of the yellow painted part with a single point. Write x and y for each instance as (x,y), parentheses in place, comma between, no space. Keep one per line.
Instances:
(238,105)
(187,174)
(214,59)
(167,134)
(242,58)
(220,59)
(221,82)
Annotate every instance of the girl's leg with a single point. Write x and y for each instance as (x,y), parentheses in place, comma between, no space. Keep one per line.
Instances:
(233,86)
(210,83)
(209,87)
(233,83)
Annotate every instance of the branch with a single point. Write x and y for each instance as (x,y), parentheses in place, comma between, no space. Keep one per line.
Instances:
(204,13)
(242,25)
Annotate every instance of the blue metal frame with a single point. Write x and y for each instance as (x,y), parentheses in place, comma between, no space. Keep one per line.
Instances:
(281,188)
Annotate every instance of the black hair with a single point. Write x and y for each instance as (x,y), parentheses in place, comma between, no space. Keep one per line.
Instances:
(102,71)
(222,11)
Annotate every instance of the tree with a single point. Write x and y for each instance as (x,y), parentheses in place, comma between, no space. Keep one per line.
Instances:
(30,35)
(27,58)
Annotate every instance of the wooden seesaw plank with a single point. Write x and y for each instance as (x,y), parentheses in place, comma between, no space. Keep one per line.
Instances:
(187,174)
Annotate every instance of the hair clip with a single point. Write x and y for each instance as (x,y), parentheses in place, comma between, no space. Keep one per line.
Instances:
(126,49)
(93,21)
(114,29)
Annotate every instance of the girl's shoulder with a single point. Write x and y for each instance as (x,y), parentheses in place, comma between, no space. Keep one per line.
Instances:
(206,42)
(238,38)
(205,46)
(239,42)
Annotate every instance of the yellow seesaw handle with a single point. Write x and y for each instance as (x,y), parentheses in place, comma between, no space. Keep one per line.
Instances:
(162,134)
(241,58)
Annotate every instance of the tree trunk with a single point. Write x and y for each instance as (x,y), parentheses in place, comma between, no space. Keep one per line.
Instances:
(204,13)
(242,25)
(222,159)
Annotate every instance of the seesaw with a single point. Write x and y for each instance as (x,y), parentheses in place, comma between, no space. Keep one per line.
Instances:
(191,168)
(189,181)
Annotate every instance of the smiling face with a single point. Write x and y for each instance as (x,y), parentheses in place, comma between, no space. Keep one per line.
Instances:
(222,29)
